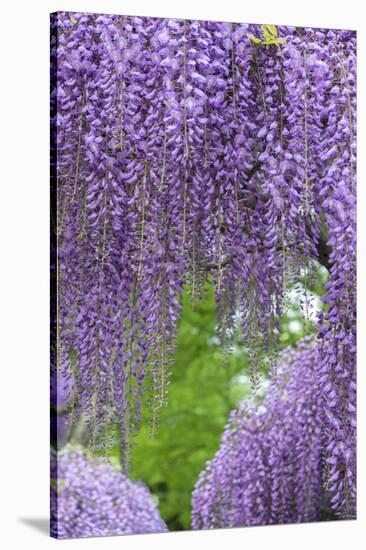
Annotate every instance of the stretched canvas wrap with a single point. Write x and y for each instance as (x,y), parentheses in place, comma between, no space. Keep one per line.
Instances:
(203,274)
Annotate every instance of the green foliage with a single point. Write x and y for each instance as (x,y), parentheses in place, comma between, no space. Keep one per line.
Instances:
(201,395)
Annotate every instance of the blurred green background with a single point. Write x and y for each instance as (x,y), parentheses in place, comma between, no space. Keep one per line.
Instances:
(204,388)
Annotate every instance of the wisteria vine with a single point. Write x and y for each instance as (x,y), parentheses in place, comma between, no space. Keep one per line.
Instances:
(188,149)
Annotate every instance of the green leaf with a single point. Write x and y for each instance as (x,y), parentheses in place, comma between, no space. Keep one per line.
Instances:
(73,20)
(269,30)
(269,41)
(276,41)
(254,39)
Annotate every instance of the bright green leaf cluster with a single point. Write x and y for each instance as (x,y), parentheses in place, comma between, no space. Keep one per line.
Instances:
(269,36)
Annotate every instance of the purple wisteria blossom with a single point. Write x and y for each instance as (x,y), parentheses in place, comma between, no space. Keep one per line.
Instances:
(185,150)
(268,469)
(90,498)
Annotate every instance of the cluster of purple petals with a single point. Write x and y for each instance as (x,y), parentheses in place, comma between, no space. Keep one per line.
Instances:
(268,469)
(185,150)
(90,498)
(337,328)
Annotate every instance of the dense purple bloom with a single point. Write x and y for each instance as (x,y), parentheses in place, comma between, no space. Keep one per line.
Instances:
(268,469)
(90,498)
(185,149)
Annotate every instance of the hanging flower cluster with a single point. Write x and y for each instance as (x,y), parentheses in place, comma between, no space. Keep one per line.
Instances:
(185,149)
(89,498)
(293,459)
(337,331)
(268,468)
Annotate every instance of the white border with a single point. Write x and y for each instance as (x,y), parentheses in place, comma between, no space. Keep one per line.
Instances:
(24,267)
